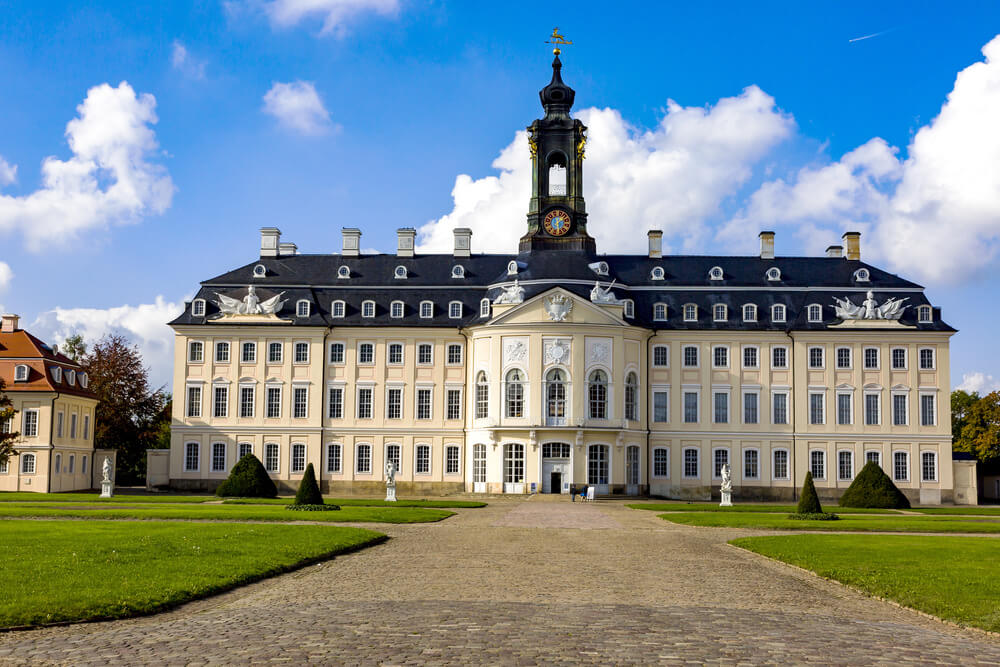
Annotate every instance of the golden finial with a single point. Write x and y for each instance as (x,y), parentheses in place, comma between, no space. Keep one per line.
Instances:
(558,39)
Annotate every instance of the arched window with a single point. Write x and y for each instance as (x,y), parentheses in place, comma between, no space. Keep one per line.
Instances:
(598,395)
(749,313)
(555,398)
(484,308)
(656,273)
(455,310)
(426,309)
(597,465)
(343,272)
(396,309)
(774,273)
(259,271)
(302,308)
(198,308)
(20,373)
(631,397)
(515,393)
(557,174)
(482,396)
(57,468)
(363,459)
(815,313)
(367,309)
(458,271)
(659,311)
(27,464)
(862,276)
(399,273)
(337,309)
(715,273)
(778,313)
(629,308)
(512,268)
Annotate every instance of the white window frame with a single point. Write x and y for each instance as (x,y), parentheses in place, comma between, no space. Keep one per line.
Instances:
(716,392)
(850,358)
(656,273)
(862,275)
(850,406)
(245,346)
(329,402)
(396,309)
(198,308)
(330,446)
(338,309)
(368,309)
(906,453)
(388,353)
(277,457)
(419,389)
(220,358)
(925,314)
(840,476)
(357,458)
(750,308)
(484,308)
(920,358)
(296,388)
(628,308)
(864,358)
(697,355)
(447,354)
(822,354)
(196,345)
(268,390)
(292,470)
(426,310)
(756,351)
(716,273)
(878,456)
(343,352)
(448,449)
(454,314)
(923,476)
(729,460)
(715,363)
(825,463)
(21,372)
(743,404)
(417,357)
(659,312)
(253,404)
(358,353)
(225,452)
(810,313)
(295,352)
(280,358)
(303,308)
(779,313)
(690,311)
(774,466)
(760,471)
(787,394)
(659,390)
(400,273)
(187,457)
(666,354)
(773,273)
(810,405)
(416,459)
(934,400)
(877,393)
(652,468)
(401,388)
(697,461)
(370,389)
(720,308)
(191,410)
(458,271)
(779,347)
(892,359)
(343,271)
(906,406)
(696,390)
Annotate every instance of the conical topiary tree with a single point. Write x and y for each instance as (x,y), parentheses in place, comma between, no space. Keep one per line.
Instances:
(308,493)
(873,488)
(809,501)
(248,479)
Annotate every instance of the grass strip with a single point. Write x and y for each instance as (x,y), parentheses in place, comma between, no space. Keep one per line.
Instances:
(968,509)
(362,502)
(22,496)
(847,522)
(77,571)
(227,513)
(756,508)
(954,578)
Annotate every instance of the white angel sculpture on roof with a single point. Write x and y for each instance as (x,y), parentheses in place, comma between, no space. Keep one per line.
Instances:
(892,309)
(251,304)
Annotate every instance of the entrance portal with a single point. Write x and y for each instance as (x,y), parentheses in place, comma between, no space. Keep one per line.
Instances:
(555,483)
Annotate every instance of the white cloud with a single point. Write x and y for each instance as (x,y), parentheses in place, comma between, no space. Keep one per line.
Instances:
(934,215)
(108,180)
(672,177)
(334,14)
(6,276)
(981,383)
(185,63)
(298,106)
(8,172)
(145,325)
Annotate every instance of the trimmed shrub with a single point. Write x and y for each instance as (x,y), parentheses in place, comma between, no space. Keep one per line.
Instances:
(873,488)
(809,502)
(308,493)
(312,508)
(822,516)
(248,479)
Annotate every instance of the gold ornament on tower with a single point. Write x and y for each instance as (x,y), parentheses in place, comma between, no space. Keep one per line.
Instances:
(556,38)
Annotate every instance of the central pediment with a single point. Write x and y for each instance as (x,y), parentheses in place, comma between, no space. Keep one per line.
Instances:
(557,306)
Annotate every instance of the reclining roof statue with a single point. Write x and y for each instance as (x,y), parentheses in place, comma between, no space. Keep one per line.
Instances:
(250,305)
(892,309)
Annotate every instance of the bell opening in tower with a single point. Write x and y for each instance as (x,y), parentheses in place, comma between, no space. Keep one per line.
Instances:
(557,175)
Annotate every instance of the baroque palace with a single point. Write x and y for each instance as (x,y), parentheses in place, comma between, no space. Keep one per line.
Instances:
(557,367)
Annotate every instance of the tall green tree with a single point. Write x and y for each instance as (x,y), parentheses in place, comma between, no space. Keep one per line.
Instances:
(74,347)
(981,431)
(961,402)
(7,433)
(130,414)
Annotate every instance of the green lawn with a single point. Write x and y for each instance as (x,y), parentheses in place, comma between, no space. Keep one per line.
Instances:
(955,578)
(224,513)
(988,510)
(869,522)
(83,570)
(21,496)
(362,502)
(755,508)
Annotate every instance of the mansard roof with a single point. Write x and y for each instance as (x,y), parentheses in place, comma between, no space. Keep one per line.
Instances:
(686,279)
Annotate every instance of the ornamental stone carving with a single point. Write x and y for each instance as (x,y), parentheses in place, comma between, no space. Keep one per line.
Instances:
(556,352)
(250,304)
(603,295)
(869,309)
(558,307)
(511,294)
(514,351)
(599,351)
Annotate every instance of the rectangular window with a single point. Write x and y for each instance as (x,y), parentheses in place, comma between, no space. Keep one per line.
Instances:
(720,357)
(873,457)
(690,356)
(661,413)
(196,352)
(249,355)
(899,409)
(779,357)
(901,466)
(271,457)
(246,401)
(222,353)
(721,405)
(927,410)
(395,356)
(423,459)
(928,466)
(843,357)
(844,409)
(59,425)
(750,408)
(335,403)
(898,358)
(364,459)
(817,464)
(298,458)
(845,466)
(815,357)
(451,460)
(926,359)
(243,449)
(394,403)
(364,402)
(191,452)
(872,409)
(780,464)
(366,353)
(219,457)
(690,407)
(780,402)
(871,358)
(72,464)
(86,428)
(749,357)
(221,402)
(454,354)
(72,427)
(275,353)
(300,402)
(454,404)
(720,457)
(691,464)
(273,402)
(333,458)
(336,353)
(424,354)
(817,409)
(423,403)
(661,355)
(194,402)
(302,353)
(751,464)
(661,463)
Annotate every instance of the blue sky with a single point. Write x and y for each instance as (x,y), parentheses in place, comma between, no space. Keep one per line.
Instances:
(710,120)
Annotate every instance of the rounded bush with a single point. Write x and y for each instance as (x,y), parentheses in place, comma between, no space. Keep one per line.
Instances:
(308,493)
(809,501)
(248,479)
(312,508)
(873,488)
(821,516)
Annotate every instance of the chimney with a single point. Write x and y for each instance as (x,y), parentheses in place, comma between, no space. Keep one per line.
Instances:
(835,251)
(655,243)
(287,249)
(766,245)
(852,240)
(8,323)
(269,241)
(352,241)
(463,242)
(404,241)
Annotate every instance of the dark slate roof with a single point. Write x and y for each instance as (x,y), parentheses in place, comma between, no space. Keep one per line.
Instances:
(804,281)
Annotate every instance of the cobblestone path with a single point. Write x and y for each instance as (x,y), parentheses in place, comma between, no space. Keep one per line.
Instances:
(523,582)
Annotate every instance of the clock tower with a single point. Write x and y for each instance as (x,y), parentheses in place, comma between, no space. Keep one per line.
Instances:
(557,213)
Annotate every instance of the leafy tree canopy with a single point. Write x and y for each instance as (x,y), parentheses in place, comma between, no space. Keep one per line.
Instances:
(980,434)
(6,424)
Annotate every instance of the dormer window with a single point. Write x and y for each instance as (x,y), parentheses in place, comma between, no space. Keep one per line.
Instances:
(690,313)
(720,313)
(367,309)
(337,309)
(925,315)
(20,373)
(660,312)
(455,310)
(396,309)
(84,381)
(815,313)
(715,273)
(656,273)
(458,271)
(57,373)
(600,268)
(862,276)
(749,313)
(774,273)
(426,309)
(629,308)
(484,308)
(302,308)
(259,271)
(399,273)
(343,272)
(71,378)
(512,268)
(198,308)
(778,312)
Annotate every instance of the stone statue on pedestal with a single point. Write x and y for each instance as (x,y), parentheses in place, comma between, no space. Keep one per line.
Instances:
(107,486)
(727,486)
(390,481)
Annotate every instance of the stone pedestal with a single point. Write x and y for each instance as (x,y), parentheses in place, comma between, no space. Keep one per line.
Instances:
(107,489)
(390,493)
(727,499)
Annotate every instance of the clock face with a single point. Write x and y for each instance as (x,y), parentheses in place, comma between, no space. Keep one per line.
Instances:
(557,222)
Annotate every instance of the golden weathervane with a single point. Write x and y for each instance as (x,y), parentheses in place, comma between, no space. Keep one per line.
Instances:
(558,40)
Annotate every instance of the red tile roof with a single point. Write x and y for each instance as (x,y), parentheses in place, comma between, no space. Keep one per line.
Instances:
(21,348)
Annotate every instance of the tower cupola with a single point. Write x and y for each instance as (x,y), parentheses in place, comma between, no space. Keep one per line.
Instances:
(557,98)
